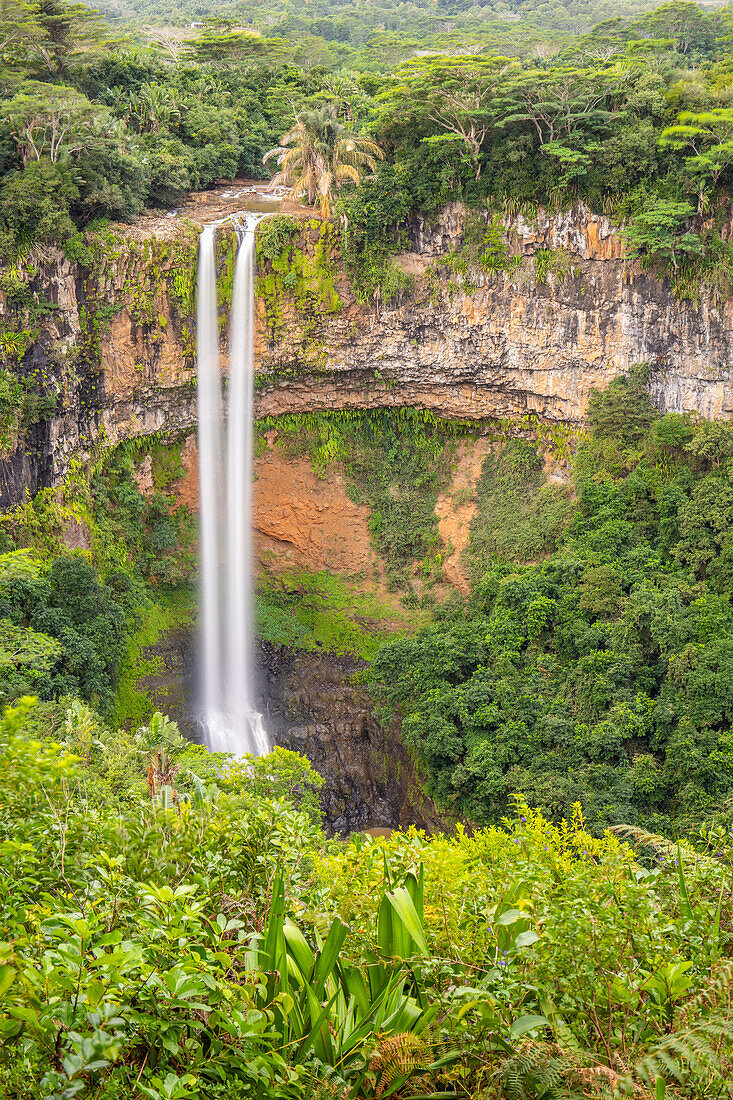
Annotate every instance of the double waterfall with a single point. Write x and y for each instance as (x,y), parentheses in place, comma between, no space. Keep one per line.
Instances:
(228,715)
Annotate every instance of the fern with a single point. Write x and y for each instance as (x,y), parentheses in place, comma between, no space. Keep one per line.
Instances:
(643,839)
(697,1056)
(324,1083)
(531,1073)
(540,1071)
(398,1058)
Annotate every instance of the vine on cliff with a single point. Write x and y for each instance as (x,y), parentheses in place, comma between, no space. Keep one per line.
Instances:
(295,264)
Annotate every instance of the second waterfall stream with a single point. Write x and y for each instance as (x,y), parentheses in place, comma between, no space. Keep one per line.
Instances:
(228,715)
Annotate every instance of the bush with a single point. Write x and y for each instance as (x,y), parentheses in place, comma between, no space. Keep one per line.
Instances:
(274,234)
(34,208)
(373,229)
(623,412)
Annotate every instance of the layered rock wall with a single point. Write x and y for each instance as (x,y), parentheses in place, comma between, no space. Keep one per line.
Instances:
(116,352)
(517,343)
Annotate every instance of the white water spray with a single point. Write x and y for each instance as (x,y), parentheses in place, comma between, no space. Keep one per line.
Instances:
(230,720)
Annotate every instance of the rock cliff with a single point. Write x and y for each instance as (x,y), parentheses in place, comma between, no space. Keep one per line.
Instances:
(517,343)
(113,354)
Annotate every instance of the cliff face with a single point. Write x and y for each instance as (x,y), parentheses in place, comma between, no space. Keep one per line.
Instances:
(517,343)
(111,359)
(113,355)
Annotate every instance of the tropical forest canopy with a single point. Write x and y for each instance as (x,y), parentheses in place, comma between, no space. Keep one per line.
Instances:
(103,119)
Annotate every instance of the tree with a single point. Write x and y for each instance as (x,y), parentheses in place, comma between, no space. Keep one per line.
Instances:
(68,31)
(455,94)
(153,107)
(47,120)
(238,49)
(558,102)
(659,232)
(318,154)
(343,90)
(26,660)
(19,30)
(684,22)
(171,43)
(709,135)
(713,443)
(34,208)
(623,411)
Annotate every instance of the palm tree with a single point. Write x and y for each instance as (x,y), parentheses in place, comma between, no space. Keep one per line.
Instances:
(318,154)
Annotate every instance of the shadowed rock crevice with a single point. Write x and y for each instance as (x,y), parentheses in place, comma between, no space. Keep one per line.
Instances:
(311,706)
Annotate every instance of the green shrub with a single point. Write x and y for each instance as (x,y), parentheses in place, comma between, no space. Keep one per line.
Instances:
(518,517)
(274,234)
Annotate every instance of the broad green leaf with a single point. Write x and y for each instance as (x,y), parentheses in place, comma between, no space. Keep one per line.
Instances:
(527,1023)
(526,939)
(404,907)
(328,957)
(299,949)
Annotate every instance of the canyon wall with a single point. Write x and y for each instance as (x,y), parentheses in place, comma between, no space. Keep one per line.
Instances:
(515,344)
(114,352)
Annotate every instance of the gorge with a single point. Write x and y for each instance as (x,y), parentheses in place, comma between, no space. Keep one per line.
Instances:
(518,354)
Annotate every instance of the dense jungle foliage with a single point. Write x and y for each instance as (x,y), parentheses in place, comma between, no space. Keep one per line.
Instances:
(67,618)
(175,926)
(100,122)
(631,116)
(592,661)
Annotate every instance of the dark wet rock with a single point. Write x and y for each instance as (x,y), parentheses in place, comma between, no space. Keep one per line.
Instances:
(312,705)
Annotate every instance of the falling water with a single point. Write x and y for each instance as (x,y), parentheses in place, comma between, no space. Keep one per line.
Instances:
(230,720)
(210,434)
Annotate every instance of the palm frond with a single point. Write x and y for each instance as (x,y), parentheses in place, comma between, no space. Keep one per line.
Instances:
(318,153)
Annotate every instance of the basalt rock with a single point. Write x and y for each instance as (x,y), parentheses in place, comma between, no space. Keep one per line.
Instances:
(312,706)
(512,343)
(115,354)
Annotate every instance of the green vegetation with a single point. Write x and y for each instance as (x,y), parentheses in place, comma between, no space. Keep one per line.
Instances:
(630,116)
(176,925)
(597,673)
(63,632)
(373,230)
(296,261)
(66,617)
(518,517)
(133,704)
(322,612)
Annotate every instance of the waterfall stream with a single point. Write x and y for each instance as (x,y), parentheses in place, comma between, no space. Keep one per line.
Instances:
(230,720)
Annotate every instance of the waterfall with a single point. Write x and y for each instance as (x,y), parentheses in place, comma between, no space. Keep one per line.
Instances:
(230,721)
(210,434)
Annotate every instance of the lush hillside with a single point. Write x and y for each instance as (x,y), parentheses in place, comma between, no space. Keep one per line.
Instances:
(591,662)
(210,942)
(353,25)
